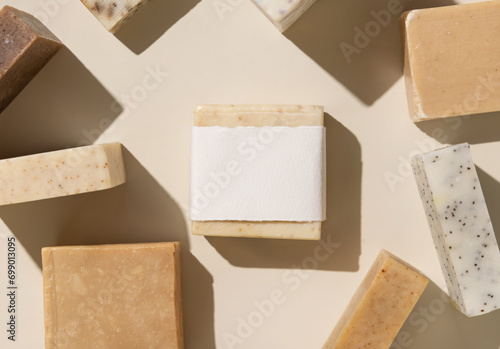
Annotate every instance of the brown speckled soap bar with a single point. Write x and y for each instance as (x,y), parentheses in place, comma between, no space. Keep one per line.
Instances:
(26,45)
(113,13)
(113,296)
(380,306)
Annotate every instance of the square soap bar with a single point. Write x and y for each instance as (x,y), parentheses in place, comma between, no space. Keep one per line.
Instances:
(113,296)
(283,12)
(380,306)
(113,13)
(461,227)
(61,173)
(451,60)
(26,45)
(258,116)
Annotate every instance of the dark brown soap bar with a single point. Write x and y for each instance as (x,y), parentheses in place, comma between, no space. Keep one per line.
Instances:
(26,45)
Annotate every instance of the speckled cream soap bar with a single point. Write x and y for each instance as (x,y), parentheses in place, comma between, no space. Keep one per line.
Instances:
(380,306)
(461,227)
(113,296)
(283,12)
(452,57)
(113,13)
(61,173)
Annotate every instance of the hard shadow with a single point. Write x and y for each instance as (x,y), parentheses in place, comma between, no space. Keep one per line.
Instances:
(491,191)
(151,21)
(138,211)
(373,61)
(343,225)
(63,106)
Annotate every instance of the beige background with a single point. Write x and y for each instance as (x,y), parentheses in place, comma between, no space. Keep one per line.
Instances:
(239,57)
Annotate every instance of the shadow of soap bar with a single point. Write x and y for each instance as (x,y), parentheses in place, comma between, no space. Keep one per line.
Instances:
(26,45)
(452,57)
(113,13)
(380,306)
(113,296)
(61,173)
(283,12)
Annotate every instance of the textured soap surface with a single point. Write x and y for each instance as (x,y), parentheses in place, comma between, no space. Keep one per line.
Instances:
(61,173)
(461,227)
(380,306)
(26,45)
(113,296)
(113,13)
(451,60)
(258,116)
(283,12)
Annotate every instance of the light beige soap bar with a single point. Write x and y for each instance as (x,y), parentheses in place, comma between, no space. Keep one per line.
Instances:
(258,116)
(113,13)
(452,60)
(61,173)
(380,306)
(113,296)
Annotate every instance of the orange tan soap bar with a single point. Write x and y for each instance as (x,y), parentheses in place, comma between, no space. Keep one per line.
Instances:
(61,173)
(113,296)
(26,45)
(452,57)
(380,306)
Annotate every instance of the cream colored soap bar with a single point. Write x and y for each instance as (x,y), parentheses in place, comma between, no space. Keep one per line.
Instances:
(380,306)
(258,116)
(113,296)
(113,13)
(452,60)
(61,173)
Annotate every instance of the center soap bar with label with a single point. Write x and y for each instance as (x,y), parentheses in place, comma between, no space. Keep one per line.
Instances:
(113,296)
(283,12)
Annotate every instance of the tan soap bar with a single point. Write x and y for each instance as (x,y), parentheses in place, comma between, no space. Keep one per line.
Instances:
(61,173)
(26,45)
(452,57)
(258,116)
(113,13)
(113,296)
(380,306)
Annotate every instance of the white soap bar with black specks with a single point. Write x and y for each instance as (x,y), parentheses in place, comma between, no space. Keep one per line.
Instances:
(283,12)
(461,227)
(113,13)
(61,173)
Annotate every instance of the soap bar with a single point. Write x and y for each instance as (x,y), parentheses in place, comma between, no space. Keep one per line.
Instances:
(452,59)
(461,227)
(283,12)
(113,296)
(258,116)
(380,306)
(61,173)
(113,13)
(26,45)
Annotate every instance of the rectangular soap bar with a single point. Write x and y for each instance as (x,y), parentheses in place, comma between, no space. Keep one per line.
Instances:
(113,13)
(380,306)
(452,59)
(113,296)
(283,12)
(26,45)
(61,173)
(258,116)
(461,227)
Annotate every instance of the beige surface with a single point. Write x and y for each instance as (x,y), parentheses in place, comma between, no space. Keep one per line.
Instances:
(113,13)
(258,116)
(452,60)
(380,306)
(61,173)
(113,296)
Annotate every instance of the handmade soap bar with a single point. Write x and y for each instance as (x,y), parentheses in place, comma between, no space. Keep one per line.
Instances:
(25,47)
(61,173)
(258,116)
(461,227)
(452,59)
(113,296)
(113,13)
(380,306)
(283,12)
